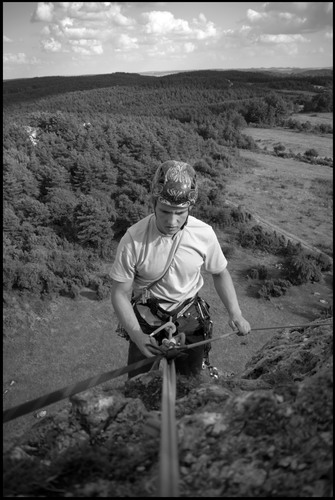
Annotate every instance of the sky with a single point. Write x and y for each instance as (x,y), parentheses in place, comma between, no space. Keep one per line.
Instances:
(80,38)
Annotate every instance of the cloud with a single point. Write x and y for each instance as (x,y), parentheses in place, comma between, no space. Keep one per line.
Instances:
(164,23)
(87,47)
(291,17)
(85,12)
(282,39)
(81,27)
(44,12)
(19,58)
(51,45)
(283,26)
(126,43)
(6,39)
(94,27)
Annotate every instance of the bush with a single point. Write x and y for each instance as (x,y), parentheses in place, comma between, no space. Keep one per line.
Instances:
(302,268)
(256,237)
(103,292)
(273,288)
(279,148)
(258,273)
(324,262)
(239,214)
(225,217)
(311,153)
(228,251)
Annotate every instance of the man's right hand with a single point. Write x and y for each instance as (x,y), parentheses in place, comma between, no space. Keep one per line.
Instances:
(141,340)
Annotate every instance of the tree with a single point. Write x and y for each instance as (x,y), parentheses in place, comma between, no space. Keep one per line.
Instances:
(61,203)
(17,179)
(94,225)
(279,148)
(32,210)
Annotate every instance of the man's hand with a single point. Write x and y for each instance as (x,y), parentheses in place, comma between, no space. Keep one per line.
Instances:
(141,340)
(241,324)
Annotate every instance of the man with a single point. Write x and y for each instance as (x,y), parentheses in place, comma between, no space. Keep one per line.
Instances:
(159,261)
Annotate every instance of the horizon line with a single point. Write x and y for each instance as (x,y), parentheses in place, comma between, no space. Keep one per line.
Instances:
(259,68)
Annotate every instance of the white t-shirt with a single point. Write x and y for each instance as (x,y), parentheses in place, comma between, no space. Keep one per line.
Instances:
(143,252)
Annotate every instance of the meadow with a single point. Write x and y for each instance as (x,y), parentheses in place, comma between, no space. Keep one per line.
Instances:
(294,142)
(314,118)
(292,195)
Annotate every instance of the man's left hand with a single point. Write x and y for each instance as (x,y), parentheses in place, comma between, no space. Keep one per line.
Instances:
(241,324)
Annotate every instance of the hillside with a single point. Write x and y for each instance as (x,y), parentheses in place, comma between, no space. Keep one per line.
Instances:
(266,433)
(21,90)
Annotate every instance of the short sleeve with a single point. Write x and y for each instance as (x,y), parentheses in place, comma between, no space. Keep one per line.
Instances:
(215,261)
(123,268)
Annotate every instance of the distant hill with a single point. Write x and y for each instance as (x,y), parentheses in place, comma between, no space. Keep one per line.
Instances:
(30,89)
(285,70)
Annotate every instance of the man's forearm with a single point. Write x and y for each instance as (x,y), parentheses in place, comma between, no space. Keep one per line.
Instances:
(225,289)
(125,314)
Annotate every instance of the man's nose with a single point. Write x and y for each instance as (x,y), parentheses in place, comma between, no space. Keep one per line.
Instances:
(173,219)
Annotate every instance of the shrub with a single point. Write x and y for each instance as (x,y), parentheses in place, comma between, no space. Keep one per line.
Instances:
(262,272)
(253,274)
(228,251)
(239,214)
(311,153)
(292,249)
(103,292)
(302,268)
(273,288)
(226,217)
(279,148)
(256,237)
(258,273)
(324,262)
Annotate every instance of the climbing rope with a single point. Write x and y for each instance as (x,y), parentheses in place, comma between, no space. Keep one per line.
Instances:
(168,465)
(70,390)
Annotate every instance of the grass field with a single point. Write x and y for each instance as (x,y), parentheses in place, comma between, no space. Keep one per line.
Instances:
(294,142)
(296,196)
(314,118)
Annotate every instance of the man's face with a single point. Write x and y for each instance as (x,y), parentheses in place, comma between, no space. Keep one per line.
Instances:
(169,218)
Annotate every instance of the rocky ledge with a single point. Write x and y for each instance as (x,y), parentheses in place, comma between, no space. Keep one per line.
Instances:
(267,433)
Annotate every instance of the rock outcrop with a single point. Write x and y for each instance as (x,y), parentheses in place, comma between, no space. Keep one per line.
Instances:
(267,433)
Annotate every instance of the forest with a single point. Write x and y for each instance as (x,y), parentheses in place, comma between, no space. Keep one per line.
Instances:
(79,153)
